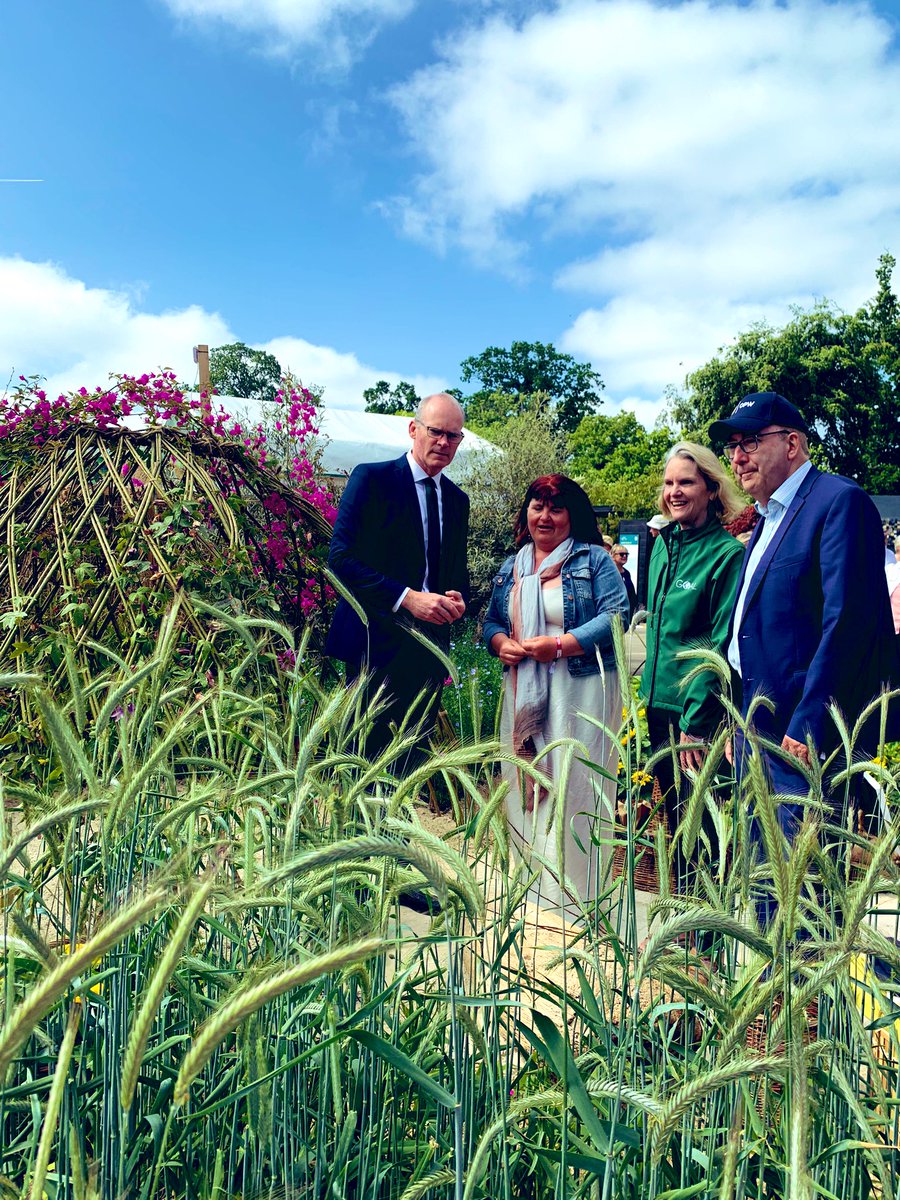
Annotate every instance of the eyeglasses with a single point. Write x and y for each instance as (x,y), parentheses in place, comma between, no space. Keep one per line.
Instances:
(750,444)
(453,438)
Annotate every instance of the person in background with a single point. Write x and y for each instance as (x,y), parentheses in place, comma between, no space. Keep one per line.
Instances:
(550,622)
(619,555)
(892,571)
(656,525)
(693,577)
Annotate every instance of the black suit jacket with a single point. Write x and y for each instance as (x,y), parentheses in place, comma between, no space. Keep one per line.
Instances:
(378,549)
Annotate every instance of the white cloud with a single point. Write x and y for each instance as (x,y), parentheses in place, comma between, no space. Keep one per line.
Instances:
(281,27)
(342,375)
(717,162)
(654,342)
(76,335)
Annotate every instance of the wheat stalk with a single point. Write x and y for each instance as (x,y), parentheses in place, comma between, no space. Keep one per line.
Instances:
(54,1100)
(48,990)
(248,1000)
(699,1087)
(143,1021)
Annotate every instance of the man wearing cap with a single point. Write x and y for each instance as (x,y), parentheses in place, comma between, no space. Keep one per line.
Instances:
(811,622)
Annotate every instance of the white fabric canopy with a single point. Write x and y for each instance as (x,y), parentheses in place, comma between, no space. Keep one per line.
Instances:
(358,437)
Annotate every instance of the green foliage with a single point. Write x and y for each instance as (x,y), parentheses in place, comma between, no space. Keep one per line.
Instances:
(530,377)
(209,990)
(496,485)
(618,462)
(841,370)
(472,702)
(400,399)
(485,411)
(216,909)
(239,370)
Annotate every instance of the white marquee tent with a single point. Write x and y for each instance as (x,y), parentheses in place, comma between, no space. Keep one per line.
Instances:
(356,437)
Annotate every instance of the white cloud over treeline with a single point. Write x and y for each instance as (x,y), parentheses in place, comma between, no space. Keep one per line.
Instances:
(75,335)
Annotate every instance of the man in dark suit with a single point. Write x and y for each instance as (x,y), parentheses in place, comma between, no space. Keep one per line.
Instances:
(399,545)
(811,622)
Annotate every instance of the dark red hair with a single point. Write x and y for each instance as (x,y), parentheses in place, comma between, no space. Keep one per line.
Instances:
(572,497)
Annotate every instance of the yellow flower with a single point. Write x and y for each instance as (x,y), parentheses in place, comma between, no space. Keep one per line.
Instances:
(641,778)
(67,949)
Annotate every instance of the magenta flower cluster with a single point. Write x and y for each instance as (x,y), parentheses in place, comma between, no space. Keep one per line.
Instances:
(158,400)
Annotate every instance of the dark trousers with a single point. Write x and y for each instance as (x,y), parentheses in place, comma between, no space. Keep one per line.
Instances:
(400,681)
(662,726)
(853,804)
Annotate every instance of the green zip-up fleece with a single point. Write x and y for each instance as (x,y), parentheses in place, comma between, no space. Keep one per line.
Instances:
(692,588)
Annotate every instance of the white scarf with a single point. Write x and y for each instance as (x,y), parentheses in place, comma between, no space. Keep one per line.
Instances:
(531,679)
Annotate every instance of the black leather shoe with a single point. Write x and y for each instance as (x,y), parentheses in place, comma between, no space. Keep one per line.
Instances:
(420,902)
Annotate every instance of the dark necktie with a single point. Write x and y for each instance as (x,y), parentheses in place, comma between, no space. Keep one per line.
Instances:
(433,536)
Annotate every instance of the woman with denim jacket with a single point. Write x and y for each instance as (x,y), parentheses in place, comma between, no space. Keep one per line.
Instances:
(550,622)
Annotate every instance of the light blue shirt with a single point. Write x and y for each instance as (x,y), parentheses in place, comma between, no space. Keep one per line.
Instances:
(773,514)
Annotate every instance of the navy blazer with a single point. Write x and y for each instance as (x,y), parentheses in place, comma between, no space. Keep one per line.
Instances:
(816,625)
(378,549)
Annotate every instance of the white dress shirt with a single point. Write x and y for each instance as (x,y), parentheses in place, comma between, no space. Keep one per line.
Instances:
(420,476)
(773,514)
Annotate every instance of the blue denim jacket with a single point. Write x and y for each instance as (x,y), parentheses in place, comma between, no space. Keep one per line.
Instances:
(593,592)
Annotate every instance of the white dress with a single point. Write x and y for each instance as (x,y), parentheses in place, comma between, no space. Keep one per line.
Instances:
(573,852)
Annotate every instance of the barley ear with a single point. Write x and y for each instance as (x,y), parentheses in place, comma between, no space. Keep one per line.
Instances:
(51,986)
(248,1000)
(143,1022)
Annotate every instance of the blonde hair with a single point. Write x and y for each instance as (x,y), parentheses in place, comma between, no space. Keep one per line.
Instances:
(726,501)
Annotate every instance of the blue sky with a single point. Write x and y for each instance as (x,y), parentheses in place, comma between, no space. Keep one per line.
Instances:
(380,188)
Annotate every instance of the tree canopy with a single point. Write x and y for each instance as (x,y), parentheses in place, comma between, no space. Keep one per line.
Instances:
(529,377)
(239,370)
(618,462)
(842,370)
(382,398)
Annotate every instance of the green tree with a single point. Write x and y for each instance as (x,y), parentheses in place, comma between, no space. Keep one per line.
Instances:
(400,399)
(529,377)
(618,462)
(842,370)
(239,370)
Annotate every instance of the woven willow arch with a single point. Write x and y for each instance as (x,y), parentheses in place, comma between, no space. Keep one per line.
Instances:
(101,528)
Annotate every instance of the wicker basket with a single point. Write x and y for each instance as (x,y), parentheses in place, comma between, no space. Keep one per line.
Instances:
(757,1038)
(647,819)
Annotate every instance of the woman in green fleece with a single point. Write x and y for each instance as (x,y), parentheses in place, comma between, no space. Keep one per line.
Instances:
(694,571)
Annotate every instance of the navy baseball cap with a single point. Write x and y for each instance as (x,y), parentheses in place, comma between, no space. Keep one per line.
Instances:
(754,413)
